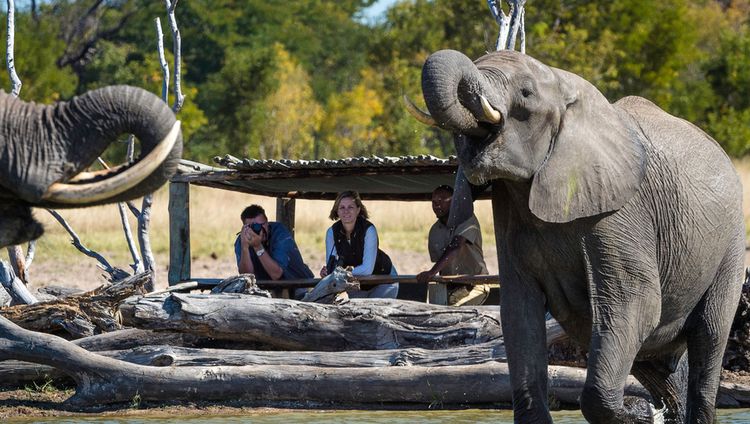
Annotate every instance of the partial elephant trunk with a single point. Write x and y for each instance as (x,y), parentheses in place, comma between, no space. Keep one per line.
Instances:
(452,87)
(44,148)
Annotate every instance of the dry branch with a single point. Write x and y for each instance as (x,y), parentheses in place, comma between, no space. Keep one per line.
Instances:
(13,285)
(332,288)
(79,315)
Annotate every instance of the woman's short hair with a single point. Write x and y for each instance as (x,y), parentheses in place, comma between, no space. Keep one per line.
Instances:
(351,194)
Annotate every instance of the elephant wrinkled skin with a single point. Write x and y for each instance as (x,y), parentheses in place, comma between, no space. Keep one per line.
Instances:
(623,221)
(44,150)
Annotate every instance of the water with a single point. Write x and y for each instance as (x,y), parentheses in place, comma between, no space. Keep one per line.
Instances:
(725,416)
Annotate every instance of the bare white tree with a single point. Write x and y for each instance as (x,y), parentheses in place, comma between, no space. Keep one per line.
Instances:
(511,24)
(9,46)
(19,263)
(179,99)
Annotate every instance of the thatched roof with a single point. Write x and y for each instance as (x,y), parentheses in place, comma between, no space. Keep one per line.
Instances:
(392,178)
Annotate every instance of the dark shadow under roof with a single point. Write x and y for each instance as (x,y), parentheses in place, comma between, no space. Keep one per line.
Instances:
(375,178)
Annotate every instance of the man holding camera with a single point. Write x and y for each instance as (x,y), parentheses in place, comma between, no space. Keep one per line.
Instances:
(268,250)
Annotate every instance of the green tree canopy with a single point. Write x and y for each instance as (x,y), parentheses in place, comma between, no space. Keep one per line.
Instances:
(309,78)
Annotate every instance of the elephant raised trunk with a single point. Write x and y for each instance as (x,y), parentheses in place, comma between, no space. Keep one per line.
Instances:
(454,91)
(43,149)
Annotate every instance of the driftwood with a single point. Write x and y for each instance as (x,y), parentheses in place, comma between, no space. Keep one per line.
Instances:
(243,283)
(131,338)
(332,289)
(101,380)
(78,315)
(13,285)
(148,347)
(361,324)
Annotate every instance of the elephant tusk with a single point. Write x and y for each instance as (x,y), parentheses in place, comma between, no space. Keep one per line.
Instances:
(493,115)
(83,193)
(418,113)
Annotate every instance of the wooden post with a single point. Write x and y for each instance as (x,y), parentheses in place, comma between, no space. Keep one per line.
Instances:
(179,232)
(285,212)
(285,215)
(437,294)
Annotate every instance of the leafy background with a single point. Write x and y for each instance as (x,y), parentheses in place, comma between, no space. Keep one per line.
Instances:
(312,78)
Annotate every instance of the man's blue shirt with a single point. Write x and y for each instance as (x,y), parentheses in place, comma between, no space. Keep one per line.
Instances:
(283,250)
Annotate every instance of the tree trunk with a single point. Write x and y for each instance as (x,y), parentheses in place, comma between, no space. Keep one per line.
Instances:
(361,324)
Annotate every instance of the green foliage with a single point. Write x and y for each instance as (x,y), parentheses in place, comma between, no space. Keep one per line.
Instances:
(730,127)
(307,78)
(36,46)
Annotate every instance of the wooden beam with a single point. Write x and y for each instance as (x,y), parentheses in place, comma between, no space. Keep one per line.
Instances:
(285,212)
(437,294)
(370,280)
(179,232)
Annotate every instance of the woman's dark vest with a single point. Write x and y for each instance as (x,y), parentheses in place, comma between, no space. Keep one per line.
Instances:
(351,253)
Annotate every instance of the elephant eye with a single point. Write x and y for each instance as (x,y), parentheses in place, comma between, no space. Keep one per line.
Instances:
(526,92)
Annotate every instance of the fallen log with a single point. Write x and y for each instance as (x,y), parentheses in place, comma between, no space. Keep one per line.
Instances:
(102,380)
(78,315)
(15,373)
(180,350)
(129,338)
(361,324)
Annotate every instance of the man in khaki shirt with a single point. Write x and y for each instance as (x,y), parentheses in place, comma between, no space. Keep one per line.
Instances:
(457,251)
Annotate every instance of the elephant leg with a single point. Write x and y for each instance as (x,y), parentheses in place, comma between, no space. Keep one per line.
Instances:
(602,399)
(17,225)
(622,319)
(666,380)
(522,310)
(710,324)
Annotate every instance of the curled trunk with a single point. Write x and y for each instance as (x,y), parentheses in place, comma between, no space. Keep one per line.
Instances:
(452,87)
(41,145)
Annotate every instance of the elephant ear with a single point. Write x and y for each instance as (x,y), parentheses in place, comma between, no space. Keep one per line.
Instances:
(596,162)
(462,202)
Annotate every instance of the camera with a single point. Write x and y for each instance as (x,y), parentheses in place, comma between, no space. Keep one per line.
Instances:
(256,228)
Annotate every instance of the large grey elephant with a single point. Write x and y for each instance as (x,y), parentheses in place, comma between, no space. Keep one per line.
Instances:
(44,150)
(623,221)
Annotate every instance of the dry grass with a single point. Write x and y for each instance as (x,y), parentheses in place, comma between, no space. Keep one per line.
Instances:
(214,221)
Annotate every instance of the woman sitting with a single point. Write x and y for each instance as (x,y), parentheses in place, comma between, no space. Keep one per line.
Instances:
(353,241)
